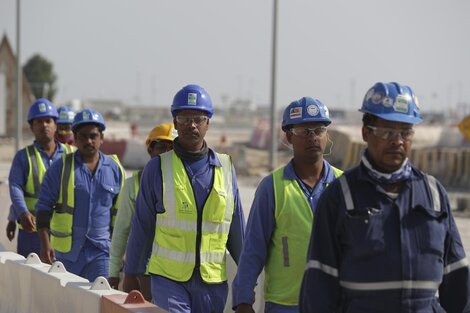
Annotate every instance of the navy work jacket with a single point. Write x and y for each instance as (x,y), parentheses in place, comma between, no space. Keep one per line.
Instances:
(385,254)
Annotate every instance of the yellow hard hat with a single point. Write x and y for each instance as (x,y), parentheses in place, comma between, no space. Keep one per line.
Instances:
(162,132)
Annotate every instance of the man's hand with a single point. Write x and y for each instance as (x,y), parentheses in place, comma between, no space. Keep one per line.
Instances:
(130,283)
(244,308)
(28,221)
(46,253)
(114,282)
(11,229)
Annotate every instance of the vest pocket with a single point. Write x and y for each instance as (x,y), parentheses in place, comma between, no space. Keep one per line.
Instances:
(364,232)
(217,200)
(430,230)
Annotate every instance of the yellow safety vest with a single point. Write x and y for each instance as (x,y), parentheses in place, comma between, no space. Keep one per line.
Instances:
(174,245)
(137,176)
(62,217)
(287,253)
(36,175)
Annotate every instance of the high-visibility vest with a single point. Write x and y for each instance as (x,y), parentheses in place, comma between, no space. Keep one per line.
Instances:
(287,253)
(62,217)
(137,176)
(36,175)
(176,232)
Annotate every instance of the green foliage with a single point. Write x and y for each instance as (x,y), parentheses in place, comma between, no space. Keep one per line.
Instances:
(41,77)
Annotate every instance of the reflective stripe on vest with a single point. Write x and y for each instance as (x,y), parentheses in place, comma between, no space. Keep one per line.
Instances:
(35,177)
(174,247)
(62,217)
(114,208)
(289,241)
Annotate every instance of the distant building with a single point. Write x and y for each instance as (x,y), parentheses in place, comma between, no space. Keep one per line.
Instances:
(110,108)
(8,92)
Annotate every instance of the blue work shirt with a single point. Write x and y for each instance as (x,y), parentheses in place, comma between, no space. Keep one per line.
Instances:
(94,197)
(386,254)
(19,176)
(261,225)
(150,202)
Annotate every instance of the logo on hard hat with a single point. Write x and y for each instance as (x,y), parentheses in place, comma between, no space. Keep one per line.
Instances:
(66,115)
(95,116)
(86,116)
(401,104)
(295,112)
(387,102)
(192,98)
(313,110)
(174,133)
(42,107)
(377,98)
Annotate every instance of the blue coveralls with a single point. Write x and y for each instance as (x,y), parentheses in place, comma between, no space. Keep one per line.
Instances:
(94,197)
(261,224)
(195,295)
(385,255)
(27,242)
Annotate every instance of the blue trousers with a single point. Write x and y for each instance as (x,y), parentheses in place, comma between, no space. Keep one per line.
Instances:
(27,243)
(194,296)
(91,263)
(270,307)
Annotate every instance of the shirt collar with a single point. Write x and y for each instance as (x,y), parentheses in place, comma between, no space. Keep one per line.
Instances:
(327,176)
(213,160)
(40,147)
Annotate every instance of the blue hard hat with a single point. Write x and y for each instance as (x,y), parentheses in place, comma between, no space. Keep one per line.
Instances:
(192,97)
(88,116)
(42,108)
(305,110)
(66,115)
(392,102)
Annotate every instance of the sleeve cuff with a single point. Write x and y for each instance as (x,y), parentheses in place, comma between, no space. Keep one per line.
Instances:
(43,220)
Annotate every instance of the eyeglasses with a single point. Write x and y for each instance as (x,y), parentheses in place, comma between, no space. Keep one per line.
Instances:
(306,131)
(390,133)
(86,137)
(188,120)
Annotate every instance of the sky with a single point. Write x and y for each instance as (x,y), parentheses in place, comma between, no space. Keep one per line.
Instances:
(143,51)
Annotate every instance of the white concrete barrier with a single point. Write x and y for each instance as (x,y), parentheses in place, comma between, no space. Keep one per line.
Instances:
(30,286)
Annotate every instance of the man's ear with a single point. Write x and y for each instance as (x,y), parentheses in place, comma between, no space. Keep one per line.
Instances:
(289,136)
(365,133)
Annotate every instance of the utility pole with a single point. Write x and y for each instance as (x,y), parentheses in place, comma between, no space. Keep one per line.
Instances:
(273,148)
(19,85)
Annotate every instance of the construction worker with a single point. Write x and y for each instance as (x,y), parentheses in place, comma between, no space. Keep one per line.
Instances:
(188,212)
(78,202)
(64,132)
(27,172)
(159,140)
(281,215)
(384,238)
